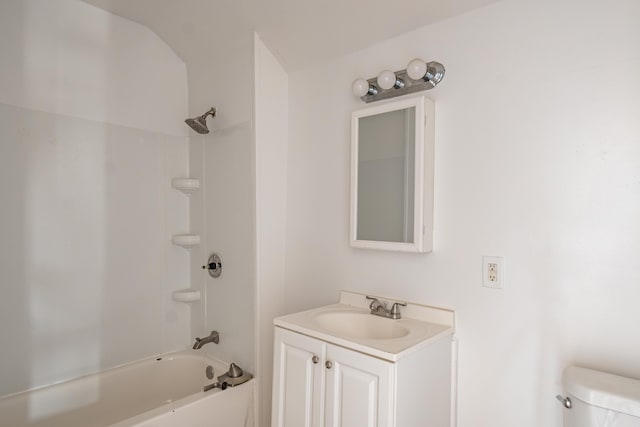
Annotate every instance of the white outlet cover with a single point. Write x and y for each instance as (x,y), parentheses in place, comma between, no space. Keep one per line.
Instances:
(500,273)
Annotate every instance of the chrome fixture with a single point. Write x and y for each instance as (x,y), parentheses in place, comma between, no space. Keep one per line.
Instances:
(217,384)
(418,76)
(362,87)
(233,377)
(380,308)
(213,337)
(209,372)
(199,124)
(214,265)
(388,79)
(566,402)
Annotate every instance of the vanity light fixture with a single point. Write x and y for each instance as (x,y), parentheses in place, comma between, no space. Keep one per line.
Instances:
(388,79)
(361,87)
(418,76)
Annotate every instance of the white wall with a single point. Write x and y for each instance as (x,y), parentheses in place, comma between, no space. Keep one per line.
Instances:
(67,57)
(537,160)
(271,130)
(91,133)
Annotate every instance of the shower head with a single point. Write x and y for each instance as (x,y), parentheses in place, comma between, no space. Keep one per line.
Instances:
(199,124)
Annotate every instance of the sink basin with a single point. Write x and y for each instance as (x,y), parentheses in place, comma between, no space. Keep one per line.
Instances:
(360,325)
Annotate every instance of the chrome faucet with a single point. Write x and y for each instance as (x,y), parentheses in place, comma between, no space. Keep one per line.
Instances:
(213,337)
(380,308)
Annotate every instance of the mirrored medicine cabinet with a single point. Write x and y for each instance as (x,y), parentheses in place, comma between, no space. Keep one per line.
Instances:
(392,176)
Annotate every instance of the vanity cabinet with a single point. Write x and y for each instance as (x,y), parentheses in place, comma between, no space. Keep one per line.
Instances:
(297,376)
(320,384)
(358,389)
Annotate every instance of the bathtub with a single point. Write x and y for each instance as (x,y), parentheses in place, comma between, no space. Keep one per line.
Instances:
(161,391)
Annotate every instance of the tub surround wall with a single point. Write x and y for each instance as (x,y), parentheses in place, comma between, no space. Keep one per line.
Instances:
(91,133)
(537,160)
(229,218)
(223,212)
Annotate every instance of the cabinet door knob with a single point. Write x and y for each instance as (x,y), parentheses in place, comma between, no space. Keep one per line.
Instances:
(315,359)
(328,364)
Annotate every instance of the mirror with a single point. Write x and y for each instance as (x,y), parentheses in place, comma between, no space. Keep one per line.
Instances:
(392,176)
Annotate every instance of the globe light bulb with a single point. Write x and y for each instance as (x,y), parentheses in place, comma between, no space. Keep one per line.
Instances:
(360,87)
(416,69)
(386,79)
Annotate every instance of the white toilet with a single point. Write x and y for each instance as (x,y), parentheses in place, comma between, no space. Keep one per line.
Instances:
(598,399)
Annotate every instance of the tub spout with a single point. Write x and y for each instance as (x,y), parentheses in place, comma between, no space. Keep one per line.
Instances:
(213,337)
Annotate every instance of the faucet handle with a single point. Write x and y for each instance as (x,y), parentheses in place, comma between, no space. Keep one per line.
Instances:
(395,310)
(375,303)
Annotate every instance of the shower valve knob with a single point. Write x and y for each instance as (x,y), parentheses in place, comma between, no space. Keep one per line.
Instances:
(213,265)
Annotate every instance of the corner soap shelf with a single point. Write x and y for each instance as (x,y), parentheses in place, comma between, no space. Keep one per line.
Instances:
(186,240)
(187,185)
(186,295)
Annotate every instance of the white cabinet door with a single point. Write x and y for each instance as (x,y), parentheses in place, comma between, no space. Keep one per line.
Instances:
(297,380)
(359,390)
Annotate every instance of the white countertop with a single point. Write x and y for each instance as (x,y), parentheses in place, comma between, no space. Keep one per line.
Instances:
(422,325)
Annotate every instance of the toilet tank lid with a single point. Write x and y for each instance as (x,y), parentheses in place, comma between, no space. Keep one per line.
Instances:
(605,390)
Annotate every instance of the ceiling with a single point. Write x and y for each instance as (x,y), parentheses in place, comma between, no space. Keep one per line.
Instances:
(298,32)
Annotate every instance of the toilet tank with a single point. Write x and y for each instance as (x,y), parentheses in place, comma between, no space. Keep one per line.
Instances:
(599,399)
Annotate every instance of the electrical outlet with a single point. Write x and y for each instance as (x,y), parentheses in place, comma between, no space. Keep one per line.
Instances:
(493,272)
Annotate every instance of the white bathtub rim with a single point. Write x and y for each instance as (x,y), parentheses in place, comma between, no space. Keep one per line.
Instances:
(179,405)
(170,355)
